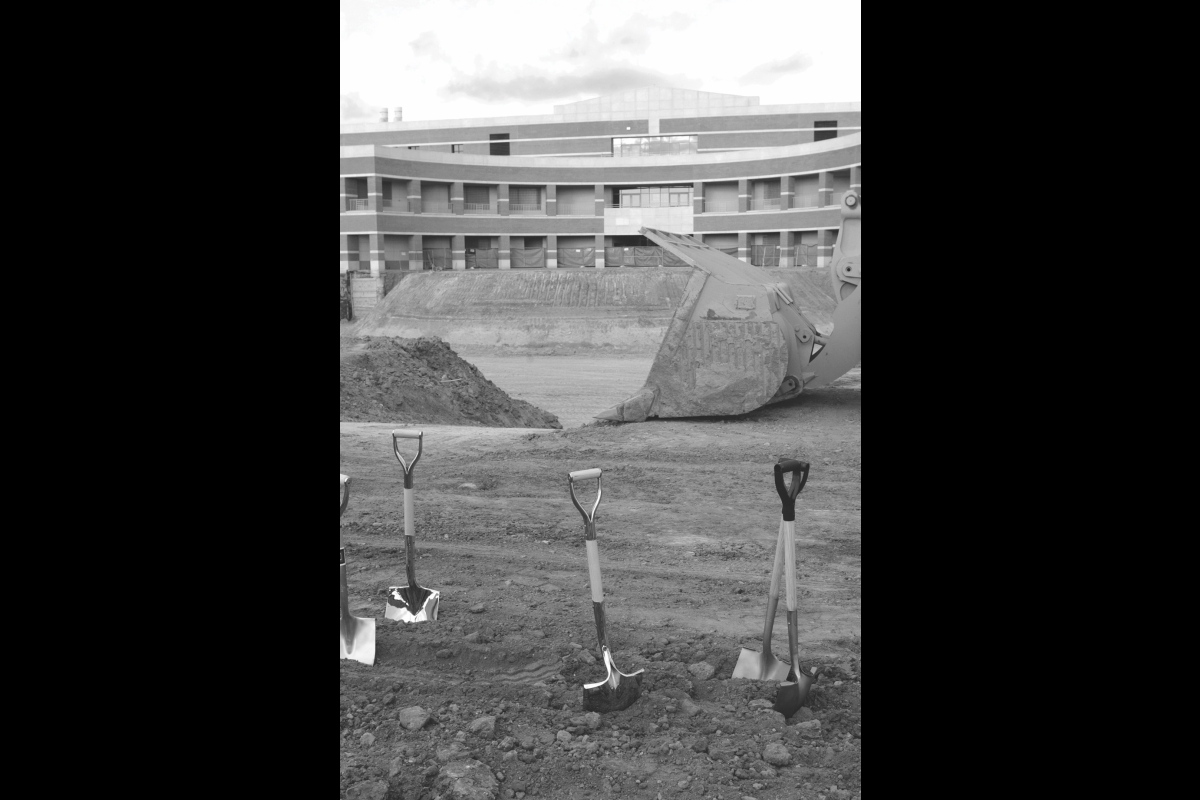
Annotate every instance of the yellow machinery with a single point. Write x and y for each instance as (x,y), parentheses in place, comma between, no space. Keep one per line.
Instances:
(738,341)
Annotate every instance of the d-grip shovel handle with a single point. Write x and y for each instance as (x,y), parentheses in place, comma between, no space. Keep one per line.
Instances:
(582,475)
(799,470)
(408,468)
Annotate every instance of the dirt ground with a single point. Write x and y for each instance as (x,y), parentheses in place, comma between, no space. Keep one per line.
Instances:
(487,700)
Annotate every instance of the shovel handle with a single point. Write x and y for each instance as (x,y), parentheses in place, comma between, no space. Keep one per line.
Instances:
(408,468)
(799,470)
(589,518)
(345,492)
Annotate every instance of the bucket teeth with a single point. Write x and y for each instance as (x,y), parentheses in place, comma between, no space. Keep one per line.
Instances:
(635,409)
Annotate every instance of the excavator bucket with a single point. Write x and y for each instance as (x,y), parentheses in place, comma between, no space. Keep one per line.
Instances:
(738,340)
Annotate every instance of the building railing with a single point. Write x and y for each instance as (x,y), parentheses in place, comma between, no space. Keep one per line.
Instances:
(576,209)
(353,204)
(479,208)
(433,207)
(719,206)
(764,204)
(395,206)
(524,208)
(804,201)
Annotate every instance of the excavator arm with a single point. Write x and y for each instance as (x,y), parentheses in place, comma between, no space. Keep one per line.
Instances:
(738,339)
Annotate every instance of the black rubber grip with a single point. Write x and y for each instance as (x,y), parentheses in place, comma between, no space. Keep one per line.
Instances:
(799,470)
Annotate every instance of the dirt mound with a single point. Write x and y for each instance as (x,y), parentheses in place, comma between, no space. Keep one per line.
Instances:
(385,379)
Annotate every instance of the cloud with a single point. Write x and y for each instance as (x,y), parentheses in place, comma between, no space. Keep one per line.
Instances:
(427,46)
(770,71)
(355,109)
(608,80)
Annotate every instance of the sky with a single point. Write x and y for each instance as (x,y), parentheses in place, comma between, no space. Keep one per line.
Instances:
(449,59)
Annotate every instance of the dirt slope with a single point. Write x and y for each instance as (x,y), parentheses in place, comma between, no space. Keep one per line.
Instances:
(423,381)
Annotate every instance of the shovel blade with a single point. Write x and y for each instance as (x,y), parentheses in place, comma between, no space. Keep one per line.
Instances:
(792,693)
(404,607)
(616,692)
(358,639)
(760,667)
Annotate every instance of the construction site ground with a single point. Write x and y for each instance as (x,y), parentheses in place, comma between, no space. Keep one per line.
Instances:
(486,702)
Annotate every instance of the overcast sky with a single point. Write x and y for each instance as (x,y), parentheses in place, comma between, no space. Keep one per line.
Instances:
(446,59)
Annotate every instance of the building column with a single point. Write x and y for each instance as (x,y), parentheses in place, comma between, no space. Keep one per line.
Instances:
(599,251)
(551,200)
(698,197)
(786,192)
(456,198)
(825,239)
(503,255)
(349,192)
(416,253)
(856,179)
(743,195)
(551,251)
(743,242)
(458,252)
(502,204)
(375,193)
(414,197)
(785,248)
(377,253)
(824,188)
(599,199)
(346,252)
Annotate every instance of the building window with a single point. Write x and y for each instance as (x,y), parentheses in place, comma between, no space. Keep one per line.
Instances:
(629,146)
(821,135)
(655,197)
(498,144)
(413,147)
(456,148)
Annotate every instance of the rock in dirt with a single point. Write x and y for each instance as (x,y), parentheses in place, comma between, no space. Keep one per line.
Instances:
(370,790)
(700,745)
(467,486)
(367,739)
(484,726)
(777,754)
(702,670)
(467,780)
(455,751)
(688,707)
(444,653)
(721,749)
(413,718)
(810,729)
(477,609)
(392,379)
(590,719)
(803,715)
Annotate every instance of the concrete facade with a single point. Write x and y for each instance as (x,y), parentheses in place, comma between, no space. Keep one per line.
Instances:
(756,181)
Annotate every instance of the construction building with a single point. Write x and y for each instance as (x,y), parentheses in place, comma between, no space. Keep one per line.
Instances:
(574,188)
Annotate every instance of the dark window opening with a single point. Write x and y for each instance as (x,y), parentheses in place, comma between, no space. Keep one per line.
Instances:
(498,144)
(456,148)
(820,135)
(413,147)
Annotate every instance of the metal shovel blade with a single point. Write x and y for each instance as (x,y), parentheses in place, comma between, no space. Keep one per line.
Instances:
(760,667)
(358,639)
(405,608)
(612,693)
(792,693)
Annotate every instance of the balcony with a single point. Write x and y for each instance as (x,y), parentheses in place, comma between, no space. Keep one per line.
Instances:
(764,204)
(479,208)
(353,204)
(395,206)
(434,207)
(804,201)
(524,208)
(576,209)
(719,206)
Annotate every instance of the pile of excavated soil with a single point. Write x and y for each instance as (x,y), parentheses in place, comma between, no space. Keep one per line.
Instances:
(423,381)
